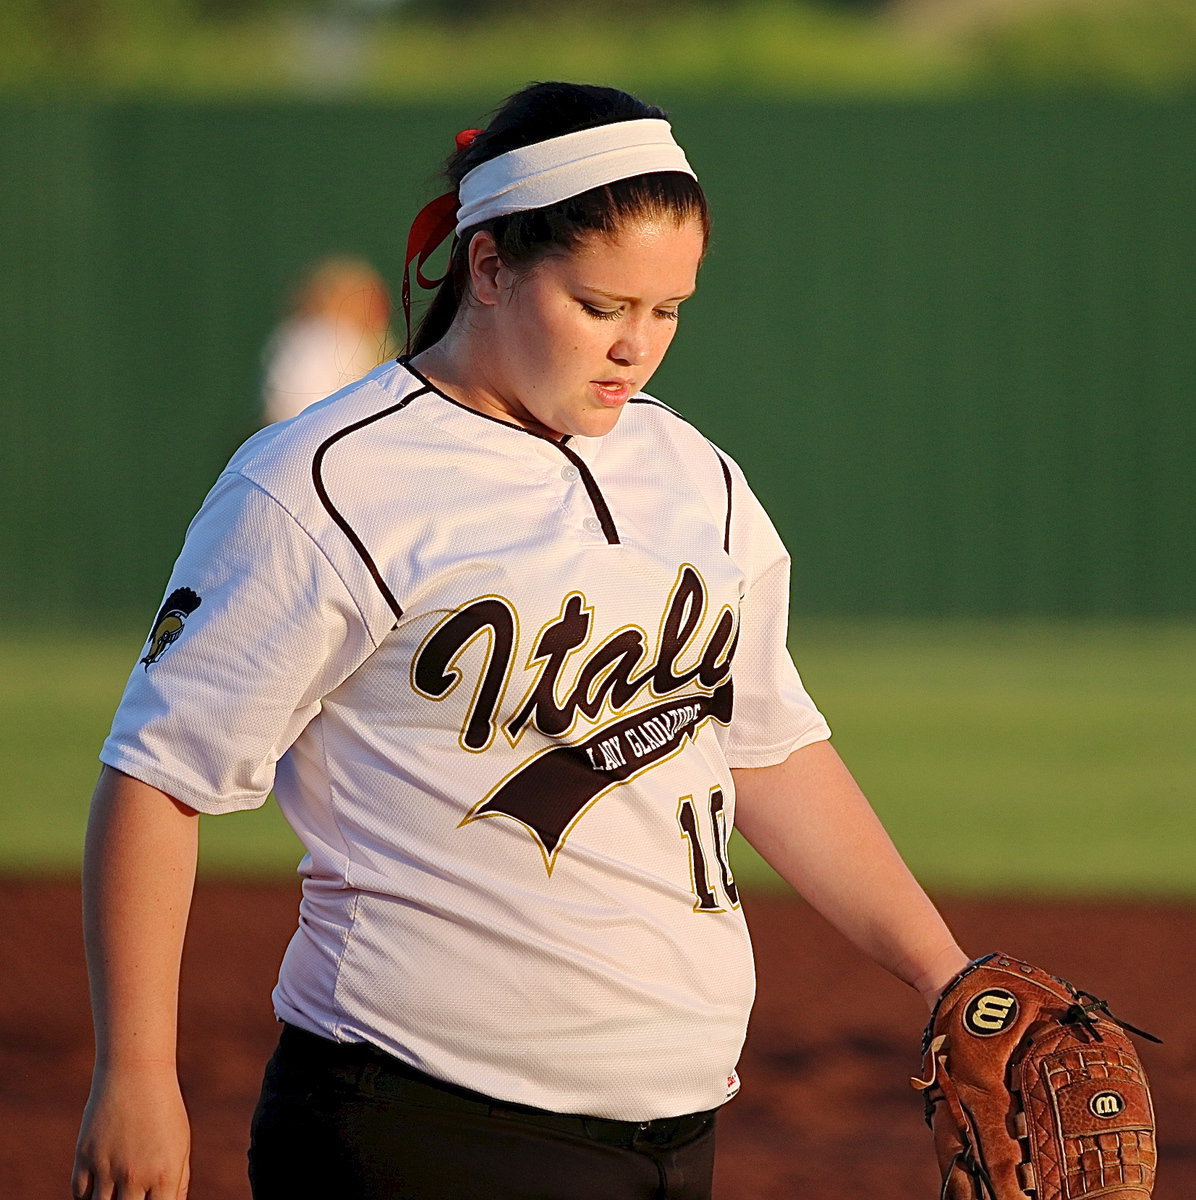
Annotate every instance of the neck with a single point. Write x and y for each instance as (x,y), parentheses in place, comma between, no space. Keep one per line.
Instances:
(455,366)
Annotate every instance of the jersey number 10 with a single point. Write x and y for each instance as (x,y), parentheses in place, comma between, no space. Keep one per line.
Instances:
(699,869)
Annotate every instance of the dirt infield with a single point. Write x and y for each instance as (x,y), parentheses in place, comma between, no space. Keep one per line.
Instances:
(825,1112)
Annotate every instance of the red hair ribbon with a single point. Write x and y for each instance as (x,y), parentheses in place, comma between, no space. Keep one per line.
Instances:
(433,223)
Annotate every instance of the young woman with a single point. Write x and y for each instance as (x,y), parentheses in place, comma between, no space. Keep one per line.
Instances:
(507,638)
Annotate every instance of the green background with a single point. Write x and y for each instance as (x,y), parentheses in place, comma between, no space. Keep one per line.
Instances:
(1002,755)
(953,343)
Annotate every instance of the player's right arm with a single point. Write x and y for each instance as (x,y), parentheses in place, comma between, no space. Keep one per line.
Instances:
(138,878)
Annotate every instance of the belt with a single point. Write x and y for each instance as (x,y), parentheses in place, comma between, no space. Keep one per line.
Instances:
(376,1073)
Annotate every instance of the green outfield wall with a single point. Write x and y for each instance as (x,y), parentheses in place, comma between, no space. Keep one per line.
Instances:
(953,344)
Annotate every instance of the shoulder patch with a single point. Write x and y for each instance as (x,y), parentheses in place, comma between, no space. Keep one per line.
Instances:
(172,616)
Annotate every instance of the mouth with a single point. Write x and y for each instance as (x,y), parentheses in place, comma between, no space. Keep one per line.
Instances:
(612,392)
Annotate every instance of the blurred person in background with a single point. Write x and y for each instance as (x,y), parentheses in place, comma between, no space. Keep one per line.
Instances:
(336,330)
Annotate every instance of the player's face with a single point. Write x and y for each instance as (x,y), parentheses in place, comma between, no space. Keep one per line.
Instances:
(580,333)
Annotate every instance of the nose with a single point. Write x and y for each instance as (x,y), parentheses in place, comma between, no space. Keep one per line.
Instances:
(630,349)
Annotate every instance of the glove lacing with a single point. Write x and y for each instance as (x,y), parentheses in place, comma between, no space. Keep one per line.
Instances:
(1089,1009)
(941,1087)
(982,1184)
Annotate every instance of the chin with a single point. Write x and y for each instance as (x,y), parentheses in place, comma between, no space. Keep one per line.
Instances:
(598,421)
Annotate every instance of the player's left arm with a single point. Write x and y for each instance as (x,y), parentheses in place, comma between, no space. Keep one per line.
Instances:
(809,820)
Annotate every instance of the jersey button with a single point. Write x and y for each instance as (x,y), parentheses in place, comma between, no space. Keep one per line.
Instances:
(592,525)
(569,473)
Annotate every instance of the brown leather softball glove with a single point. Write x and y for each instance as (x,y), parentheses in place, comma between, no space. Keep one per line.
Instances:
(1033,1089)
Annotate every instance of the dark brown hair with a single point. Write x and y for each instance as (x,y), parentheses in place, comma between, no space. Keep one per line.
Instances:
(536,113)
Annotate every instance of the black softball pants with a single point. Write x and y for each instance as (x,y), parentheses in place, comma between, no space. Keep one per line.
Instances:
(349,1122)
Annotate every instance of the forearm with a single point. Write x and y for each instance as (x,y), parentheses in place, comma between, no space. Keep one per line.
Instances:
(138,877)
(809,820)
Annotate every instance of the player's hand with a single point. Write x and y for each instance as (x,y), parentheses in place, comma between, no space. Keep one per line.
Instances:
(135,1140)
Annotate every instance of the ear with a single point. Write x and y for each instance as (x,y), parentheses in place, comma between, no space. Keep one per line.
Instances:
(486,269)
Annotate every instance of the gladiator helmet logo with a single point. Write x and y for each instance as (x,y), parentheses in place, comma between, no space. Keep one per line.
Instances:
(172,616)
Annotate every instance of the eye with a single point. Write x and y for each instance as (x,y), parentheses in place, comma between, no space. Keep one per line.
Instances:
(667,314)
(600,314)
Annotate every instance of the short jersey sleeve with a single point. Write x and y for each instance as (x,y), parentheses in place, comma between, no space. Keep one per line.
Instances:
(255,628)
(773,715)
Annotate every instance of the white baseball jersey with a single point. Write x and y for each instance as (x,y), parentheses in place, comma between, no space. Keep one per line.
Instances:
(497,683)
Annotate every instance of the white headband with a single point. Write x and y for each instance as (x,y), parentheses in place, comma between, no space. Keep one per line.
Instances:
(546,172)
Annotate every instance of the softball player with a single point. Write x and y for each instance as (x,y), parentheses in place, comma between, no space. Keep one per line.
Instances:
(506,637)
